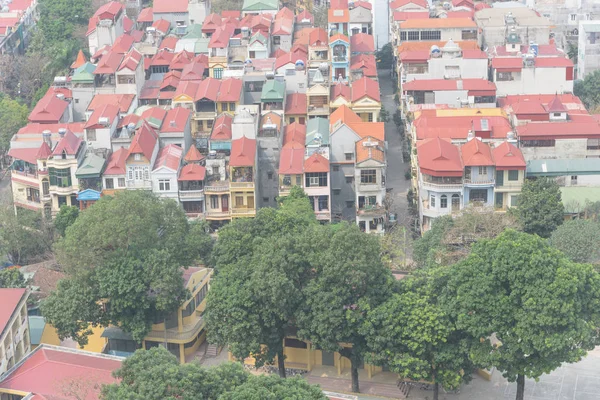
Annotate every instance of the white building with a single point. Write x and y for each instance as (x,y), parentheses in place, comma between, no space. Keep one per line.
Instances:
(588,43)
(14,336)
(105,26)
(166,171)
(495,24)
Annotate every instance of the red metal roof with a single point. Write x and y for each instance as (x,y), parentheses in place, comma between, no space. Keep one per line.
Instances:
(109,63)
(305,14)
(170,6)
(415,56)
(406,15)
(508,156)
(131,60)
(128,119)
(170,79)
(188,88)
(559,130)
(192,172)
(146,15)
(339,36)
(193,71)
(220,39)
(365,87)
(363,4)
(69,144)
(556,106)
(48,370)
(338,4)
(181,59)
(295,104)
(291,160)
(344,115)
(122,44)
(439,157)
(193,155)
(222,128)
(317,37)
(369,148)
(123,101)
(475,153)
(362,43)
(168,157)
(475,53)
(230,90)
(289,58)
(457,127)
(460,14)
(294,133)
(211,23)
(231,14)
(176,120)
(507,63)
(116,162)
(107,11)
(341,89)
(366,63)
(110,111)
(553,62)
(162,58)
(49,109)
(28,154)
(316,163)
(208,89)
(243,152)
(79,61)
(144,141)
(472,84)
(169,43)
(401,3)
(44,152)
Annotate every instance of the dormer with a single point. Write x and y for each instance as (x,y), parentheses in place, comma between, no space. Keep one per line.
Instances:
(513,40)
(556,110)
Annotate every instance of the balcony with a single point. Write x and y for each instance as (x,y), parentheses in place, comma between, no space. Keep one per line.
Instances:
(324,215)
(191,194)
(137,184)
(370,187)
(371,211)
(218,214)
(318,109)
(28,177)
(479,182)
(243,212)
(63,190)
(340,59)
(204,115)
(187,333)
(441,187)
(217,187)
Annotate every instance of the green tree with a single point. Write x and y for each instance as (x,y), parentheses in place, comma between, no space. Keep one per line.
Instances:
(384,115)
(385,57)
(13,116)
(24,236)
(415,336)
(588,90)
(540,209)
(573,52)
(349,278)
(579,240)
(59,19)
(131,222)
(11,278)
(527,307)
(66,217)
(262,264)
(156,374)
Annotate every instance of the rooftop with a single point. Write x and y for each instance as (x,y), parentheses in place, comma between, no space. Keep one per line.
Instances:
(9,298)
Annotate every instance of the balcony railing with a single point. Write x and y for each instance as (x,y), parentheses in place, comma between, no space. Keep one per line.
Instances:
(242,184)
(188,332)
(482,182)
(205,115)
(243,212)
(186,194)
(32,174)
(324,109)
(218,214)
(370,187)
(217,187)
(340,58)
(324,215)
(371,210)
(136,184)
(63,190)
(442,186)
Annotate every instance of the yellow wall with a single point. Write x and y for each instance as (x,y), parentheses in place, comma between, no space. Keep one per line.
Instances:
(49,336)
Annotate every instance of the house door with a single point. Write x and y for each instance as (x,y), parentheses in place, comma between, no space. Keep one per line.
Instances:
(251,202)
(340,72)
(224,203)
(328,358)
(302,120)
(499,200)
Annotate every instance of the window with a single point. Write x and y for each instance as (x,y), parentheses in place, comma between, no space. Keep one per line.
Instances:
(287,180)
(349,156)
(109,183)
(370,117)
(403,36)
(225,107)
(484,99)
(292,120)
(573,17)
(513,175)
(214,201)
(295,343)
(314,179)
(290,72)
(137,157)
(209,124)
(323,203)
(265,199)
(60,177)
(574,180)
(478,195)
(164,185)
(45,188)
(556,114)
(470,34)
(413,35)
(368,176)
(126,79)
(593,144)
(432,201)
(146,173)
(239,201)
(514,200)
(455,202)
(444,201)
(499,200)
(349,180)
(130,174)
(336,168)
(298,180)
(121,182)
(349,204)
(218,73)
(337,191)
(269,175)
(504,76)
(431,35)
(91,134)
(482,170)
(231,106)
(538,143)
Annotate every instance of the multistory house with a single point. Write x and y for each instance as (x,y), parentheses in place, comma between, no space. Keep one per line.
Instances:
(269,137)
(403,10)
(229,96)
(113,177)
(101,126)
(141,156)
(304,19)
(272,97)
(458,93)
(370,172)
(260,7)
(363,65)
(295,108)
(17,22)
(338,17)
(105,72)
(105,26)
(340,57)
(366,101)
(201,98)
(291,160)
(191,183)
(291,67)
(361,18)
(436,29)
(165,172)
(176,128)
(53,108)
(242,172)
(14,328)
(174,11)
(89,175)
(283,30)
(317,184)
(362,43)
(220,137)
(510,175)
(588,48)
(494,24)
(218,48)
(317,137)
(216,188)
(341,95)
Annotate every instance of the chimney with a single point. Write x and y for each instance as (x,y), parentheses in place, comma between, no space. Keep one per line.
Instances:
(62,132)
(47,137)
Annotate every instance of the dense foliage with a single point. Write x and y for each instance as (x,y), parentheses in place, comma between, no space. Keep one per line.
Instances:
(66,217)
(588,90)
(11,278)
(156,374)
(25,237)
(540,209)
(385,57)
(13,116)
(579,240)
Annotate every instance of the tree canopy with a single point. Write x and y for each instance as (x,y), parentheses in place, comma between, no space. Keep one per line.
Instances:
(24,237)
(413,334)
(13,116)
(588,90)
(385,56)
(349,279)
(11,278)
(579,240)
(261,265)
(124,258)
(156,374)
(66,217)
(526,306)
(540,209)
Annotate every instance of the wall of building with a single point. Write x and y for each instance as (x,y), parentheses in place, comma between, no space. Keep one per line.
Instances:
(267,172)
(535,80)
(574,148)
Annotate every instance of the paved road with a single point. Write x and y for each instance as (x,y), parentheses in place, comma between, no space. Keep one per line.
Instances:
(396,166)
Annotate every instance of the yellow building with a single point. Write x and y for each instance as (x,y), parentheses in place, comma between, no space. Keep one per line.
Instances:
(242,172)
(14,327)
(366,101)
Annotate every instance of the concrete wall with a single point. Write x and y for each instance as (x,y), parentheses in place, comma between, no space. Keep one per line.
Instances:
(573,148)
(535,80)
(174,17)
(268,166)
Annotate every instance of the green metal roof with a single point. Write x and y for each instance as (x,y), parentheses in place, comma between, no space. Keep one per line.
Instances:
(194,31)
(92,167)
(273,90)
(36,328)
(576,166)
(317,132)
(85,73)
(201,46)
(259,37)
(257,5)
(575,198)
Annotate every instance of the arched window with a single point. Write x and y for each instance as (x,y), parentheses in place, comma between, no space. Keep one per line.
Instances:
(444,201)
